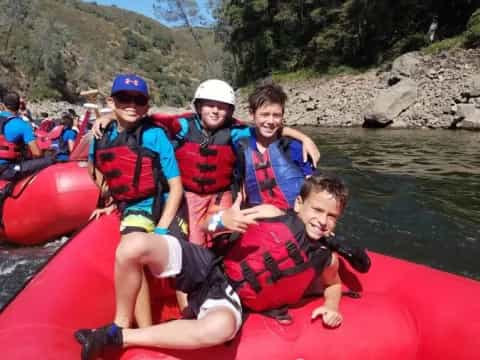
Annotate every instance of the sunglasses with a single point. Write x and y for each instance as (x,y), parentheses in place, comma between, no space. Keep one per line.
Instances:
(125,98)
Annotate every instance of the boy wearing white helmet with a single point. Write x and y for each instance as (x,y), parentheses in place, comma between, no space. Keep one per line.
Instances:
(206,157)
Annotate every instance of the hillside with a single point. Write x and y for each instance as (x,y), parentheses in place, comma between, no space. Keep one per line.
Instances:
(53,49)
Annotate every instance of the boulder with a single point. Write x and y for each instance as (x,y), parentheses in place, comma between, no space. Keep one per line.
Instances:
(390,103)
(469,117)
(404,66)
(473,87)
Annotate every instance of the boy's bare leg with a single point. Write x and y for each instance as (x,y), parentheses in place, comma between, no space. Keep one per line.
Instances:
(216,327)
(143,306)
(131,255)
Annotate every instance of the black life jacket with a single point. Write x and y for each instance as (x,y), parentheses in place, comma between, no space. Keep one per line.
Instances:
(274,263)
(206,160)
(131,171)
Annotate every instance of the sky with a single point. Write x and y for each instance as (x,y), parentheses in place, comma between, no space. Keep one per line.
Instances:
(144,7)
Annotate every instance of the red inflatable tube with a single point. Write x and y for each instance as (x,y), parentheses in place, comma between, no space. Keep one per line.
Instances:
(406,312)
(56,201)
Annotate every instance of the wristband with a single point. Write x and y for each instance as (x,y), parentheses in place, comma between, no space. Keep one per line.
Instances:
(160,231)
(215,222)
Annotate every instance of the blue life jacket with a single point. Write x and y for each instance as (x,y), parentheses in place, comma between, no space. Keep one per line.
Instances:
(271,177)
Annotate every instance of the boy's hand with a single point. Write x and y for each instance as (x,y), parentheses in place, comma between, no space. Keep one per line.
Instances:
(237,220)
(98,126)
(103,211)
(330,317)
(310,149)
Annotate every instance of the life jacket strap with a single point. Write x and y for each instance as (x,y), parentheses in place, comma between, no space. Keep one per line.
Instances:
(268,184)
(204,181)
(113,174)
(262,165)
(294,253)
(206,151)
(206,167)
(107,156)
(250,277)
(272,266)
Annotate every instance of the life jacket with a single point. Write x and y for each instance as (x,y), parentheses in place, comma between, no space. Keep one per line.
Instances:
(206,160)
(273,263)
(53,140)
(271,177)
(131,171)
(8,150)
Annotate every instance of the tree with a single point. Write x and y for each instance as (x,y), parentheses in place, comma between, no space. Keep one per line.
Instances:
(185,13)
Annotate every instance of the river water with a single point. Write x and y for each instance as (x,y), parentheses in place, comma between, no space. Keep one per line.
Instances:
(414,195)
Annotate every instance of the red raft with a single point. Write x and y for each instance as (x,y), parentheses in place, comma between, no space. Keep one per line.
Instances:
(54,202)
(406,311)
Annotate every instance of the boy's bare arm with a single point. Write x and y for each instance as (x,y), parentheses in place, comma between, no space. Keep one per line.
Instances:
(332,294)
(173,202)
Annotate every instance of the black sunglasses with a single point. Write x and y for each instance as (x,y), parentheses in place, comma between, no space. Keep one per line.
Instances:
(126,98)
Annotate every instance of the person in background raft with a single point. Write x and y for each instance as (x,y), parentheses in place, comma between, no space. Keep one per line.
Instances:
(135,163)
(300,260)
(66,141)
(19,152)
(271,168)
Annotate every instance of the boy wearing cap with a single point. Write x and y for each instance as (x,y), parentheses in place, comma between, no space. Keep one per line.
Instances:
(17,138)
(134,164)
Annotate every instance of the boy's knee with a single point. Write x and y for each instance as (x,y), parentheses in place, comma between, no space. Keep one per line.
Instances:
(132,246)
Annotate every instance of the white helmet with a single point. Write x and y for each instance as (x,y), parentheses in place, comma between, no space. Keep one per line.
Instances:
(216,90)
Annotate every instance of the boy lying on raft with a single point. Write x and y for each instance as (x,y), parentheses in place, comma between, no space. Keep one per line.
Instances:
(215,296)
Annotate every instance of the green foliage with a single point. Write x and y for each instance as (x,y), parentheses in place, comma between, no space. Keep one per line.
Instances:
(446,44)
(269,36)
(472,35)
(60,47)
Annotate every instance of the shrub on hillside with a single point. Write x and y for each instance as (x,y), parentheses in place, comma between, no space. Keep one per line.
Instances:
(472,35)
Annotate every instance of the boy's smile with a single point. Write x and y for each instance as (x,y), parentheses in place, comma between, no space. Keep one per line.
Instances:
(319,212)
(129,106)
(268,120)
(213,113)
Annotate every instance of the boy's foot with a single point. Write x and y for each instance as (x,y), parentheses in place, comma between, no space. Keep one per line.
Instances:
(93,341)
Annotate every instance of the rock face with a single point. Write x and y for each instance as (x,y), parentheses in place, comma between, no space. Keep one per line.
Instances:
(420,91)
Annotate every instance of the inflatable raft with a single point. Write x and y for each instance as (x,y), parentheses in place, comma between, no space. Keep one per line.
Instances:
(406,312)
(55,201)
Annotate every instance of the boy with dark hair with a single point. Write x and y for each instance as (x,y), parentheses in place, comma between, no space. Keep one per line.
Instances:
(134,165)
(214,305)
(17,138)
(271,166)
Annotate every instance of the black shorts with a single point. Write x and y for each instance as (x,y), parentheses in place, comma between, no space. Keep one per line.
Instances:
(203,280)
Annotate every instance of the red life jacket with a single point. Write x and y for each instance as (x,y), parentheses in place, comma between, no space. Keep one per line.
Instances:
(51,140)
(132,171)
(206,160)
(8,150)
(274,263)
